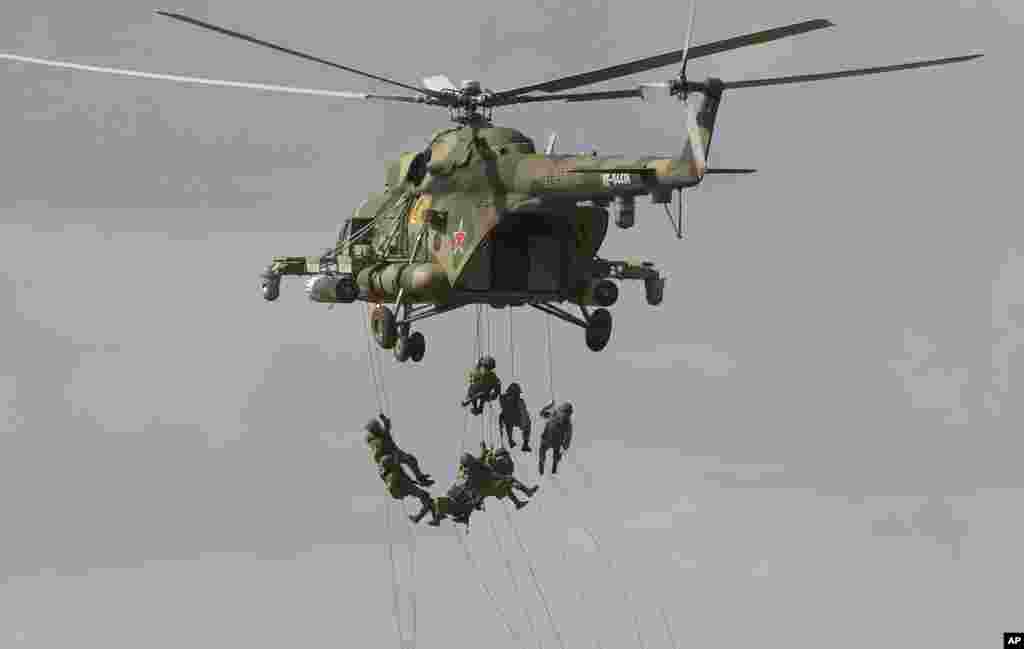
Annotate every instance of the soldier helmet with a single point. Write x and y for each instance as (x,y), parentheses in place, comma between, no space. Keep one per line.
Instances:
(374,426)
(467,459)
(513,388)
(487,362)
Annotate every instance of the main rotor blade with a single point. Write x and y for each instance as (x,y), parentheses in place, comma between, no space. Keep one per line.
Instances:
(286,50)
(847,73)
(689,35)
(211,82)
(668,58)
(578,96)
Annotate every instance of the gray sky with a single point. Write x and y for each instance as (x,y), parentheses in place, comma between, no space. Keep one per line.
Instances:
(817,431)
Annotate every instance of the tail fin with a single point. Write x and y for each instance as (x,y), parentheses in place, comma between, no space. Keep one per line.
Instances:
(701,127)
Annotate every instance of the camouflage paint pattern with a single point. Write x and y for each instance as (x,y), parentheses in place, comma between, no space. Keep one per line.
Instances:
(472,178)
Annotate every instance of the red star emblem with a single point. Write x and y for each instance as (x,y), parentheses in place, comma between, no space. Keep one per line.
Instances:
(459,239)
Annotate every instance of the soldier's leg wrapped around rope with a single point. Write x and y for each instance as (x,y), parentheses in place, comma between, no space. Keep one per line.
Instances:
(410,461)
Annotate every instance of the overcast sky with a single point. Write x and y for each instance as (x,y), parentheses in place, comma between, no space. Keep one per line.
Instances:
(817,433)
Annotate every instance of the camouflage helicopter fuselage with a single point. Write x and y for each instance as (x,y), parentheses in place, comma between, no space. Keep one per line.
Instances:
(480,216)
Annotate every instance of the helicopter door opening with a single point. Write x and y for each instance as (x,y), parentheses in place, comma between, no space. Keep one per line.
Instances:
(530,256)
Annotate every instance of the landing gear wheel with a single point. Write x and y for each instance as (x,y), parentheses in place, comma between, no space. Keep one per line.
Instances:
(403,349)
(417,346)
(271,289)
(599,330)
(271,285)
(382,322)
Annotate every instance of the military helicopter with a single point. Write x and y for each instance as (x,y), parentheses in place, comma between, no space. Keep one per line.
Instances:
(480,217)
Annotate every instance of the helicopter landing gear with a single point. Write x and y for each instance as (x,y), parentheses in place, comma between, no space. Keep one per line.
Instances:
(271,285)
(599,329)
(654,288)
(410,346)
(403,350)
(597,325)
(382,323)
(417,346)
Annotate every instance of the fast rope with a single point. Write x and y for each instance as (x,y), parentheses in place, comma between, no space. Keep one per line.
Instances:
(511,349)
(533,575)
(396,610)
(384,403)
(412,573)
(668,629)
(373,368)
(551,380)
(627,595)
(515,582)
(483,584)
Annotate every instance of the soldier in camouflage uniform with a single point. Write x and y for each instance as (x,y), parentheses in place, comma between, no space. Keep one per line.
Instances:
(389,459)
(501,464)
(400,486)
(514,414)
(378,438)
(463,497)
(484,385)
(557,433)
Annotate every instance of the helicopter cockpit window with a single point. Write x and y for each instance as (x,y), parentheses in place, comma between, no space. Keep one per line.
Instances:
(358,227)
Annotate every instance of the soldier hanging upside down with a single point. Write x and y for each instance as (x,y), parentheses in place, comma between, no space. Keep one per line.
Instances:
(464,496)
(484,385)
(514,415)
(380,441)
(389,459)
(478,480)
(557,433)
(503,467)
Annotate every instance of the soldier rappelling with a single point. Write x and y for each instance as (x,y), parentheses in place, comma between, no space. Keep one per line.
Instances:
(557,433)
(514,415)
(389,458)
(484,385)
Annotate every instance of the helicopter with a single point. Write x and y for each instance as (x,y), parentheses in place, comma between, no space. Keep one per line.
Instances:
(479,216)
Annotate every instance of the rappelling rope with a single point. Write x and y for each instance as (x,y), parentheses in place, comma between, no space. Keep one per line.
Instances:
(373,367)
(515,582)
(511,349)
(533,576)
(627,594)
(412,573)
(396,610)
(483,584)
(384,403)
(551,371)
(668,629)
